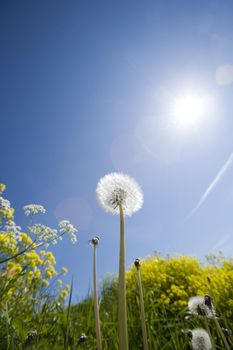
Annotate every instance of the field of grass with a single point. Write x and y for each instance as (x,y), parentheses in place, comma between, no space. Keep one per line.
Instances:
(168,285)
(37,310)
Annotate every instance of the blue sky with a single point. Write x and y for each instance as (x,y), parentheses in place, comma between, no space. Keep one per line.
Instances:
(88,88)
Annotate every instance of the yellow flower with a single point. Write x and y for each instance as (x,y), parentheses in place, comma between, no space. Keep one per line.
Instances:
(64,270)
(25,238)
(2,188)
(51,258)
(45,283)
(13,269)
(37,274)
(50,271)
(32,255)
(48,274)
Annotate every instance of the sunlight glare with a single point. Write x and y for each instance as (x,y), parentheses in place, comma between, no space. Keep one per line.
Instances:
(188,110)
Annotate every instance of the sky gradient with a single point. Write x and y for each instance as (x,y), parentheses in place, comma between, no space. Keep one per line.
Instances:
(88,88)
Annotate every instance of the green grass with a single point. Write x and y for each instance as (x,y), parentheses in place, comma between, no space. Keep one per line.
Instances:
(60,325)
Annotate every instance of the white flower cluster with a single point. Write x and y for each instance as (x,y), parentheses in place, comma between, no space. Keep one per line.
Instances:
(11,227)
(200,340)
(4,204)
(44,233)
(119,189)
(67,227)
(198,307)
(32,209)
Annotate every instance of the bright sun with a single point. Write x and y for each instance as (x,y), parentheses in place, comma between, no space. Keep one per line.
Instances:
(188,110)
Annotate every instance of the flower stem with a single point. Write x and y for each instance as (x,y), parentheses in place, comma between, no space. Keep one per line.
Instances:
(221,333)
(122,316)
(31,246)
(143,321)
(208,331)
(96,304)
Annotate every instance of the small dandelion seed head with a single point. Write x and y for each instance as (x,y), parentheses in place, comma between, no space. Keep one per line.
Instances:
(198,307)
(117,189)
(82,338)
(200,340)
(94,241)
(137,263)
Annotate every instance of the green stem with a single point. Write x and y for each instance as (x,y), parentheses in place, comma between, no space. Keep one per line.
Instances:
(143,320)
(221,333)
(30,247)
(208,331)
(122,315)
(96,305)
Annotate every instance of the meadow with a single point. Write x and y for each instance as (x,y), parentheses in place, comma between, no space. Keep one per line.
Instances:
(37,310)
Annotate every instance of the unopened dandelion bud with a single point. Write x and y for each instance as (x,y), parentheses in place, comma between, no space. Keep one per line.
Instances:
(95,240)
(207,301)
(190,334)
(31,337)
(82,338)
(137,263)
(227,332)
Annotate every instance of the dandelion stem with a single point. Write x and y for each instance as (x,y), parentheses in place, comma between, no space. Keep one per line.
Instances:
(96,304)
(221,333)
(143,321)
(122,316)
(208,331)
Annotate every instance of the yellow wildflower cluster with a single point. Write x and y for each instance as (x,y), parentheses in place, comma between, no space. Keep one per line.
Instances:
(28,272)
(64,292)
(171,282)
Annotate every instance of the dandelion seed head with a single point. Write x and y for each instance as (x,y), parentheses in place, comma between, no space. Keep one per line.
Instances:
(198,307)
(119,189)
(200,339)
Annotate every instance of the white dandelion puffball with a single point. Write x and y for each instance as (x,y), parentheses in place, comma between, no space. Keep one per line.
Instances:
(200,340)
(198,307)
(119,189)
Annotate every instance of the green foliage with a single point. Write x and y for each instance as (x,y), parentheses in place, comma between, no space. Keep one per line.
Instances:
(33,314)
(168,284)
(28,299)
